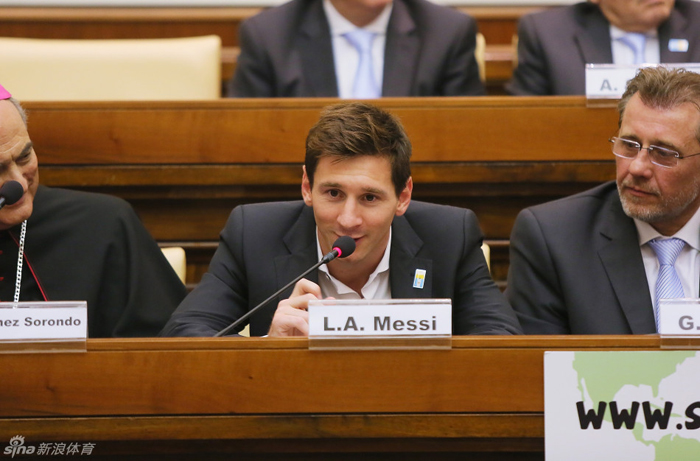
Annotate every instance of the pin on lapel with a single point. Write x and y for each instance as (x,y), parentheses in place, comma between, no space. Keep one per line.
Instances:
(419,279)
(679,45)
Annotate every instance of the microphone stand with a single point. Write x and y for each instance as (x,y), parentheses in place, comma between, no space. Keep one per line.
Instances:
(325,260)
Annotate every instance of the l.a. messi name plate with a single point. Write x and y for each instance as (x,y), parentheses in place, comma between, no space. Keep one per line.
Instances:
(390,317)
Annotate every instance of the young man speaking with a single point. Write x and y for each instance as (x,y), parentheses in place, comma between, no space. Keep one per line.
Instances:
(357,183)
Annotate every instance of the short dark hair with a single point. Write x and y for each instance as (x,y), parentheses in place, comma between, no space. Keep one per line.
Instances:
(354,129)
(663,88)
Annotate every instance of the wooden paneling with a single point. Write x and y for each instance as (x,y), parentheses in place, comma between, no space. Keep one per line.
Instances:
(262,131)
(498,23)
(185,165)
(206,397)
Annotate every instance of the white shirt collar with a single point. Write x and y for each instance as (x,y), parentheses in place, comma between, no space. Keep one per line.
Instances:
(690,233)
(341,288)
(339,25)
(616,32)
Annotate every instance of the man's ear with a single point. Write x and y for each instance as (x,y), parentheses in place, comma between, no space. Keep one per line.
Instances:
(306,188)
(405,197)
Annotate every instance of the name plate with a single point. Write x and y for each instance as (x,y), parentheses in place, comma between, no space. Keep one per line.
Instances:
(390,319)
(43,321)
(609,81)
(679,317)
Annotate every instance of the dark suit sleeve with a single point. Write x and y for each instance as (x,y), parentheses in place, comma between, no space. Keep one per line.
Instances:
(139,289)
(533,284)
(222,295)
(254,75)
(531,76)
(461,76)
(479,307)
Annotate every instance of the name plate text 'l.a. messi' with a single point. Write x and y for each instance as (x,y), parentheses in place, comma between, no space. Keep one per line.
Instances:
(371,319)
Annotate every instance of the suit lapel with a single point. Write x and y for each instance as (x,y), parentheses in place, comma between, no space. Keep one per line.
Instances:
(301,243)
(403,263)
(619,251)
(678,25)
(316,52)
(593,38)
(401,52)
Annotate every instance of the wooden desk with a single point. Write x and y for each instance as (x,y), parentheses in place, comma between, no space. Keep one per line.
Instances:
(262,398)
(185,165)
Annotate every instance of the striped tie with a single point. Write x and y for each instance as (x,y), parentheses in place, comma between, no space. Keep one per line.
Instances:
(668,284)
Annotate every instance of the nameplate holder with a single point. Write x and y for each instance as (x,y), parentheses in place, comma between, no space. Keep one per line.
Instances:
(37,326)
(606,83)
(679,323)
(396,324)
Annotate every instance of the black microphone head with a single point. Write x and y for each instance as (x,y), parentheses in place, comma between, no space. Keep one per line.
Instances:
(345,246)
(12,191)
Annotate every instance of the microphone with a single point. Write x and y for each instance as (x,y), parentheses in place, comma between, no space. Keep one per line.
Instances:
(10,193)
(342,248)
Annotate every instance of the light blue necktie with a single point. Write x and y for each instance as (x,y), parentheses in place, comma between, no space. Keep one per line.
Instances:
(637,43)
(364,86)
(668,284)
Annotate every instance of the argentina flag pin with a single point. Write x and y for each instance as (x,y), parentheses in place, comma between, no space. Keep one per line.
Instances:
(419,279)
(679,45)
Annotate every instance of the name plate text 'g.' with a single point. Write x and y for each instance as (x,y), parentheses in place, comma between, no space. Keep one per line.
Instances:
(42,321)
(425,317)
(679,317)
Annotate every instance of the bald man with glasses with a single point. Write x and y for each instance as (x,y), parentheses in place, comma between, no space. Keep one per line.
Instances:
(599,262)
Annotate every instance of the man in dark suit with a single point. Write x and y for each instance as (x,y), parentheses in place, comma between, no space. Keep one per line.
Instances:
(356,183)
(554,46)
(296,50)
(588,264)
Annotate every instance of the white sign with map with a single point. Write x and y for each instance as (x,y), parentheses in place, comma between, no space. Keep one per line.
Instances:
(622,406)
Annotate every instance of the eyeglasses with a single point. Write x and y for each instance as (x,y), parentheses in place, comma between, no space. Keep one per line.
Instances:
(667,158)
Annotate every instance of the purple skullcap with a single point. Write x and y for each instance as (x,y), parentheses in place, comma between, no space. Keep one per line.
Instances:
(4,94)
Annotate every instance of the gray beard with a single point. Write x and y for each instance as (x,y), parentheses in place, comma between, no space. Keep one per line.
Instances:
(668,209)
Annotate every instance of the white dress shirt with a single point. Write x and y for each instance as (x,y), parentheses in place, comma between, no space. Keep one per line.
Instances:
(346,57)
(623,54)
(377,286)
(688,261)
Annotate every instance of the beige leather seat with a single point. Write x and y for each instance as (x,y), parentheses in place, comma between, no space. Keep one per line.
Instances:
(480,55)
(486,249)
(176,258)
(138,69)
